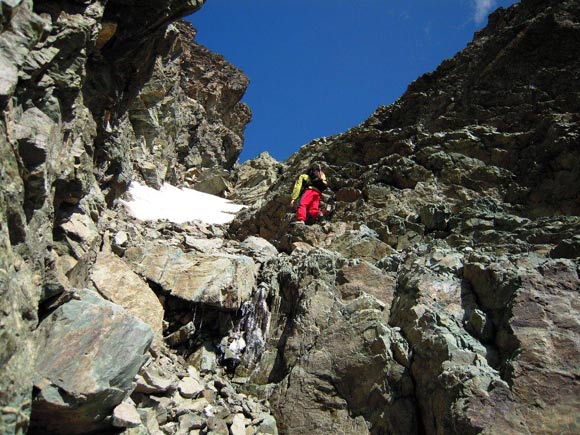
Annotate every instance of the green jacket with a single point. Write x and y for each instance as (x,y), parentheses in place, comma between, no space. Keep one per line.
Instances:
(304,178)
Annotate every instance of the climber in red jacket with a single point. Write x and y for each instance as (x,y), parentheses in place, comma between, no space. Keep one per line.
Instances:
(311,185)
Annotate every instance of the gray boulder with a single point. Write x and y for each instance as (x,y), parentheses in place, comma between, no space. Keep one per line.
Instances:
(338,367)
(115,280)
(91,351)
(223,281)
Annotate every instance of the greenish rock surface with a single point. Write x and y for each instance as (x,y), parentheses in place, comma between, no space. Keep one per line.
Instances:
(91,351)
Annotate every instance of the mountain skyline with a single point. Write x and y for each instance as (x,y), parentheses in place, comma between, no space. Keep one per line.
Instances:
(320,68)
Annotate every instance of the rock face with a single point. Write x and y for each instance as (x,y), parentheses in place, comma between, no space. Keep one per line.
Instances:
(334,362)
(462,200)
(441,296)
(91,95)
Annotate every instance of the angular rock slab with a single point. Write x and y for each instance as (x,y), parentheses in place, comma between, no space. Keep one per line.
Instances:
(350,371)
(222,281)
(115,280)
(89,353)
(338,366)
(81,233)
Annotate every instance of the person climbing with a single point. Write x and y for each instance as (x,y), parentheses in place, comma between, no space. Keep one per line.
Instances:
(310,185)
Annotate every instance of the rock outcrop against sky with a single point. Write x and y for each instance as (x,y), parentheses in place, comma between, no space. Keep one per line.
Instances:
(442,296)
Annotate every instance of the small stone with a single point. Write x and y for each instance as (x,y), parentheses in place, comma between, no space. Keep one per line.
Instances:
(121,238)
(301,247)
(169,428)
(217,426)
(481,326)
(193,373)
(238,426)
(149,383)
(200,404)
(208,361)
(228,392)
(189,421)
(150,419)
(189,387)
(260,246)
(268,425)
(181,335)
(181,406)
(209,395)
(126,415)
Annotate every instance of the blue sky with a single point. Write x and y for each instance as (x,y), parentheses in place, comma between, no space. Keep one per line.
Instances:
(320,67)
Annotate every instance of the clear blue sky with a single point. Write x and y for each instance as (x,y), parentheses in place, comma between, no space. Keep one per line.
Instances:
(320,67)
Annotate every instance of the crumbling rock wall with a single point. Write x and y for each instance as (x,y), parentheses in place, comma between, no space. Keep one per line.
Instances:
(510,100)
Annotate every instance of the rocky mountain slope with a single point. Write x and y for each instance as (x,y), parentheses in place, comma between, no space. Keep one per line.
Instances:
(442,297)
(445,296)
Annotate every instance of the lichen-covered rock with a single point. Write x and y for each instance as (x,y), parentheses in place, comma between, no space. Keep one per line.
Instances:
(533,304)
(335,368)
(126,415)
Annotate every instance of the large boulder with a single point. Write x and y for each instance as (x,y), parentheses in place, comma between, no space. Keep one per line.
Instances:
(533,302)
(115,280)
(449,366)
(221,280)
(91,350)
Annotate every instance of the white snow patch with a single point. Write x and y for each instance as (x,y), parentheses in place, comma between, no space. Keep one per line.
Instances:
(178,205)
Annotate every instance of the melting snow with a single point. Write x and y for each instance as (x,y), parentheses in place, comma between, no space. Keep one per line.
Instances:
(179,205)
